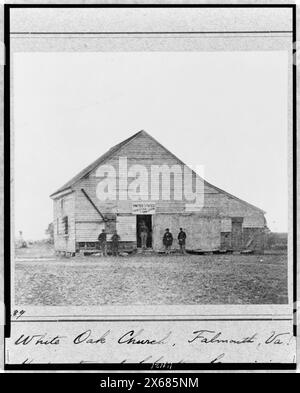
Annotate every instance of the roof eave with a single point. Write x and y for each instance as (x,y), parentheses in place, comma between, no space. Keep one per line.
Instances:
(60,193)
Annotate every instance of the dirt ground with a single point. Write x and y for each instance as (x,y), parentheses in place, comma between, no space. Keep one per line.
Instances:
(151,280)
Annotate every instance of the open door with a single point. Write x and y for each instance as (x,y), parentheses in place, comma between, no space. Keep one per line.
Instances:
(147,220)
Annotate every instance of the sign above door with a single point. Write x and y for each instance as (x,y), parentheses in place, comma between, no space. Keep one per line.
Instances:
(143,207)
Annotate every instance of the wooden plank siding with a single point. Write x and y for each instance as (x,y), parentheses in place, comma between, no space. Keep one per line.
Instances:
(205,228)
(88,231)
(64,207)
(202,232)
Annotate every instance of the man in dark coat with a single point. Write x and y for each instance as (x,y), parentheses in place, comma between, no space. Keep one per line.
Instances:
(102,238)
(115,243)
(168,241)
(144,235)
(181,240)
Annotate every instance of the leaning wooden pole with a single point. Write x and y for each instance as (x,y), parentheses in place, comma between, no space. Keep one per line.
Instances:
(92,203)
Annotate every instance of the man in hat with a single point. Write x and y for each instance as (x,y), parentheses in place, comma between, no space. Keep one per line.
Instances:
(102,238)
(144,235)
(181,240)
(115,243)
(168,241)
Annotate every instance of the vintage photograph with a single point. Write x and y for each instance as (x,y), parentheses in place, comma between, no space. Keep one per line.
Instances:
(150,197)
(150,178)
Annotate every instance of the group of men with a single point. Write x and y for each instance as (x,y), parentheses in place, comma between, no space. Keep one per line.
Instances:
(168,240)
(115,239)
(144,233)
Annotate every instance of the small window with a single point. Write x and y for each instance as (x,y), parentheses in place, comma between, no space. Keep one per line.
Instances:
(57,226)
(62,205)
(66,225)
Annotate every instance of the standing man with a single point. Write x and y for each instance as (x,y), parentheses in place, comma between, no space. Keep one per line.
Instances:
(181,240)
(144,235)
(103,243)
(168,241)
(115,243)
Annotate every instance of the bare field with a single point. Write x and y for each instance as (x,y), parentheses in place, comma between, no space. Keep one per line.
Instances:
(152,280)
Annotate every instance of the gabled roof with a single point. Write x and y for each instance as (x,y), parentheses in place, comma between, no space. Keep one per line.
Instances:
(95,164)
(86,171)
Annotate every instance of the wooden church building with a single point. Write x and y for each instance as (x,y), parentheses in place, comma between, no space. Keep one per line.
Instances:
(222,222)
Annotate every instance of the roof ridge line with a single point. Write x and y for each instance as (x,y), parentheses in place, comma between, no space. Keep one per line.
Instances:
(88,169)
(113,150)
(205,181)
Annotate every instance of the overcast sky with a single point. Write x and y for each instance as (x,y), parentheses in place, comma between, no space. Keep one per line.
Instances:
(224,110)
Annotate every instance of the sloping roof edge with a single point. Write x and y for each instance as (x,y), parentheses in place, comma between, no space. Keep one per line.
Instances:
(87,170)
(206,182)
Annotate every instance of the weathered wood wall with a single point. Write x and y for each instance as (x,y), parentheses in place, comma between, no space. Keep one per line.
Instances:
(212,231)
(88,231)
(62,241)
(202,232)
